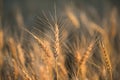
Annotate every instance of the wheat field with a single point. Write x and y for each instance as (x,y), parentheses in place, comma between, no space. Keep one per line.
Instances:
(75,44)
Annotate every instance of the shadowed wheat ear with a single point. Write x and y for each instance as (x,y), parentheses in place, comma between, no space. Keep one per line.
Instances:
(12,45)
(48,56)
(85,57)
(1,39)
(45,49)
(113,20)
(106,59)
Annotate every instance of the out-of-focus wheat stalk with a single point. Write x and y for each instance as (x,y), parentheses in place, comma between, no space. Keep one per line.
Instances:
(1,39)
(72,17)
(113,20)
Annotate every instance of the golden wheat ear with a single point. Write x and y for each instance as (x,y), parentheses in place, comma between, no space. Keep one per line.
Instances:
(85,57)
(106,59)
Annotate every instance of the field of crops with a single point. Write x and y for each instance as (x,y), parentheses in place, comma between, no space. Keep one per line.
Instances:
(74,41)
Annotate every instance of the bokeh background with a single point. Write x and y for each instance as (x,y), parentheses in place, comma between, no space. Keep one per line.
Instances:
(31,8)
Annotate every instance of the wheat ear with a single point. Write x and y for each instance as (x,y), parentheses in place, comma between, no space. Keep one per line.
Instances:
(56,48)
(106,59)
(85,57)
(45,49)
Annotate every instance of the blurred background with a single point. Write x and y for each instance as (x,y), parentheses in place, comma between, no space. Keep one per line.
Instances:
(31,8)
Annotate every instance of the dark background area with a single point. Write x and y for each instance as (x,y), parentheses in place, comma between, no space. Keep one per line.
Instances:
(31,8)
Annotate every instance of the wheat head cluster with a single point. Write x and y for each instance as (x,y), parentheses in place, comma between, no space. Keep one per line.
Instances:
(72,45)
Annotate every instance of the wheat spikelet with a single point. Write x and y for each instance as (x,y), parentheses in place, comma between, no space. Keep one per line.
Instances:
(26,76)
(78,56)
